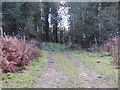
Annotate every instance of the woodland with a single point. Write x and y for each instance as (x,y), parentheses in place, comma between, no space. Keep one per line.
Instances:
(59,44)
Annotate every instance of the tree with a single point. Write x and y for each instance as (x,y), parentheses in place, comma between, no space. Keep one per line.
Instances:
(46,26)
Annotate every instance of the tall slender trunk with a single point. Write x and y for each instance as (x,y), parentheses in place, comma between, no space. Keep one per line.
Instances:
(46,26)
(55,31)
(55,26)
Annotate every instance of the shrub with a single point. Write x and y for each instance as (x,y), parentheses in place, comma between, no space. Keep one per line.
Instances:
(94,48)
(112,47)
(15,54)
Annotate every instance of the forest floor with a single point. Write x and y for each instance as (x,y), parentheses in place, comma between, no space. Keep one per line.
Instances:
(64,68)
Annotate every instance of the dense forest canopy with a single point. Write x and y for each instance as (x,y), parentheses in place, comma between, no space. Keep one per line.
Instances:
(82,23)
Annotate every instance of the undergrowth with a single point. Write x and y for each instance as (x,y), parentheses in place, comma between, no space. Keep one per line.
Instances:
(27,78)
(15,54)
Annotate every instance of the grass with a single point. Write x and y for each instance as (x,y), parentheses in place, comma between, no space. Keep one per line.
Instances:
(69,69)
(56,47)
(66,65)
(90,60)
(28,77)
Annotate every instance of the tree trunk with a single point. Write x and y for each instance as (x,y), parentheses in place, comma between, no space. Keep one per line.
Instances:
(55,24)
(46,26)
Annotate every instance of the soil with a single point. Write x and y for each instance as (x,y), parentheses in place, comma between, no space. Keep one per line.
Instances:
(54,78)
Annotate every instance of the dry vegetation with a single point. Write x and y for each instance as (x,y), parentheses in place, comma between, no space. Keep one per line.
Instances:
(112,46)
(15,54)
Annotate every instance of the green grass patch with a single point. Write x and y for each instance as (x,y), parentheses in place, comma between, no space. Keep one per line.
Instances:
(55,47)
(66,65)
(28,77)
(69,69)
(90,60)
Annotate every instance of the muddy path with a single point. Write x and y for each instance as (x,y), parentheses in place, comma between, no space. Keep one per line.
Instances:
(52,77)
(90,77)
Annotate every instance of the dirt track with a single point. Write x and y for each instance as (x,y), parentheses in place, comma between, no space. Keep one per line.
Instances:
(54,78)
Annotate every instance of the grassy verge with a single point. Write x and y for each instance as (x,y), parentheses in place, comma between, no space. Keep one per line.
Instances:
(70,70)
(28,77)
(66,65)
(90,60)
